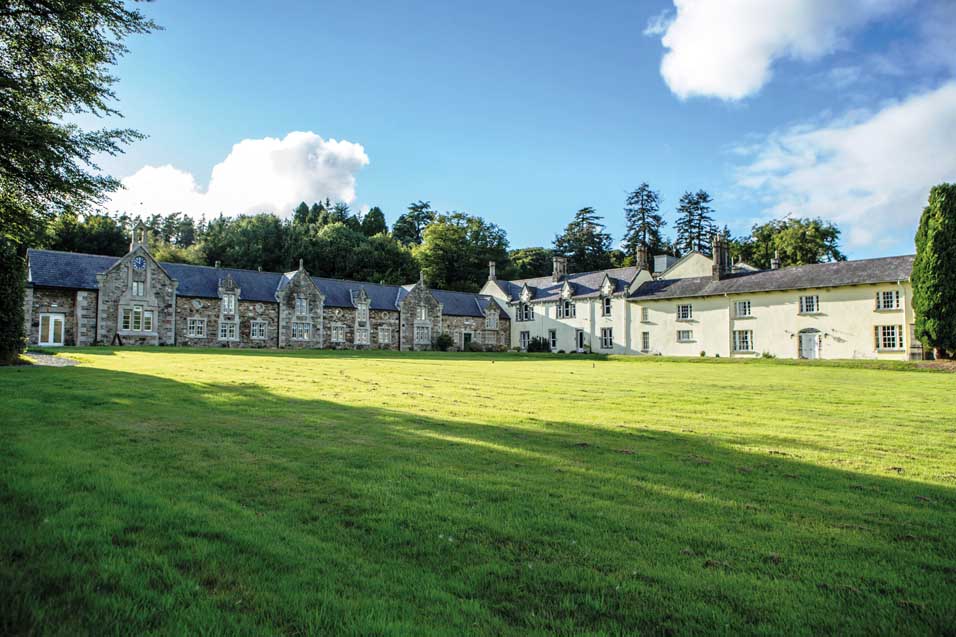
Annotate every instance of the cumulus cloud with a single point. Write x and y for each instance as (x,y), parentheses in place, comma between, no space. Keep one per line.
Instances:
(258,175)
(870,173)
(726,49)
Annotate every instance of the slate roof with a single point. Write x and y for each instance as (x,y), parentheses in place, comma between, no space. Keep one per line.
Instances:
(799,277)
(583,284)
(50,268)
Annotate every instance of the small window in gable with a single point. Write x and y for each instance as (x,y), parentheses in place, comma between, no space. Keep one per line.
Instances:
(301,306)
(139,288)
(228,303)
(606,306)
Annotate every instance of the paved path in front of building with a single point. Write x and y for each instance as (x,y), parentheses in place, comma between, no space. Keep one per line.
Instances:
(49,360)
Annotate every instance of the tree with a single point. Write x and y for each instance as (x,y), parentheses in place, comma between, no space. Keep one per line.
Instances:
(409,228)
(301,214)
(934,272)
(374,222)
(248,241)
(694,225)
(382,259)
(55,65)
(584,242)
(797,241)
(456,249)
(644,222)
(93,234)
(527,263)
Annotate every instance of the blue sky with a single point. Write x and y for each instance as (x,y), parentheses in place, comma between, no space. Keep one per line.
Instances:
(524,112)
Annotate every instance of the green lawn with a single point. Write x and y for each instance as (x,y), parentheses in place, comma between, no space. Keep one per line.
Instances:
(221,492)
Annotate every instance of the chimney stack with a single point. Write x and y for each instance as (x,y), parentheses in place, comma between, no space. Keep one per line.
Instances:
(560,268)
(722,263)
(491,271)
(643,258)
(775,261)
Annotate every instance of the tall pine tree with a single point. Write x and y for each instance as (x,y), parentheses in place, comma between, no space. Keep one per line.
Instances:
(644,222)
(694,225)
(584,242)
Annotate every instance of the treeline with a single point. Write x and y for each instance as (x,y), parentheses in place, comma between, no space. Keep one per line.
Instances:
(451,249)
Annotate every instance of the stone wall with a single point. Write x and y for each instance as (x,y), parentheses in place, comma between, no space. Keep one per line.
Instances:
(455,326)
(209,310)
(346,316)
(115,293)
(86,317)
(419,297)
(301,285)
(55,301)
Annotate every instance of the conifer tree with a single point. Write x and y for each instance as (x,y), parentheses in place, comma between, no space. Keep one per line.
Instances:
(934,272)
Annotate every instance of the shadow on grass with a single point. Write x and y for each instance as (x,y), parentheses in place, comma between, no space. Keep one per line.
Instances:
(137,503)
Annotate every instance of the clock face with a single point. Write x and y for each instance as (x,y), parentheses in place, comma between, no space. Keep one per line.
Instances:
(139,263)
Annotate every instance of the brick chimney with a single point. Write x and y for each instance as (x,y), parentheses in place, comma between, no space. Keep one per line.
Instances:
(560,268)
(491,271)
(722,263)
(775,261)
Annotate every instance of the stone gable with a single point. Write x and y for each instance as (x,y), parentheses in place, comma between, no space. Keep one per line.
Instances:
(301,286)
(118,292)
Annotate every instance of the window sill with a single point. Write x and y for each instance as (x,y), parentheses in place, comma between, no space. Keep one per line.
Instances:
(685,342)
(896,350)
(888,310)
(690,320)
(744,318)
(809,313)
(744,351)
(135,333)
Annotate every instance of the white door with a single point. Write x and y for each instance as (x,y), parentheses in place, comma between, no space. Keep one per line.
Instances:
(808,345)
(51,329)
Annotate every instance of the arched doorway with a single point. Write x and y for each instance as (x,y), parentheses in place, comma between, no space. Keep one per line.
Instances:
(809,342)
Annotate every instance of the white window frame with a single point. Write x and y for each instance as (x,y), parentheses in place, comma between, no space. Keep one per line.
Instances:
(645,314)
(228,330)
(147,320)
(126,319)
(607,338)
(421,313)
(301,306)
(888,300)
(685,312)
(137,324)
(257,330)
(423,335)
(889,338)
(138,289)
(384,335)
(685,336)
(810,304)
(553,340)
(491,321)
(742,309)
(743,341)
(645,341)
(525,312)
(567,309)
(361,313)
(606,306)
(47,337)
(196,327)
(337,333)
(228,303)
(524,338)
(362,336)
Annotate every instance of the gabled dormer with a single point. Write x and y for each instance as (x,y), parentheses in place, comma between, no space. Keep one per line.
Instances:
(362,329)
(301,305)
(567,290)
(136,298)
(526,294)
(607,292)
(607,286)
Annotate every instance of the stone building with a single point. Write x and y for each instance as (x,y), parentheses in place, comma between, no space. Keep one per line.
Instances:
(83,299)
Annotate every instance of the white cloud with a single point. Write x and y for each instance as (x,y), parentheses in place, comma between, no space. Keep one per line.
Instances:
(870,174)
(726,49)
(258,175)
